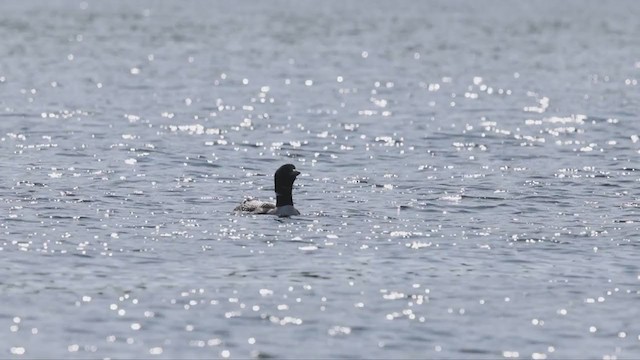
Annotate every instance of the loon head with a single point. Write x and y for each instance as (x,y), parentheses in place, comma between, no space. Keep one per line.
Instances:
(284,178)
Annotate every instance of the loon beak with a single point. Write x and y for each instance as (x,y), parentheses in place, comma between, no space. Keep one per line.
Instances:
(295,173)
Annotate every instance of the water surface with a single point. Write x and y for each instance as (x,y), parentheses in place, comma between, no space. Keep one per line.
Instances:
(468,188)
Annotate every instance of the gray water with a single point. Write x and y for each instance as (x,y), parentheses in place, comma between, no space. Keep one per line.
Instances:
(469,182)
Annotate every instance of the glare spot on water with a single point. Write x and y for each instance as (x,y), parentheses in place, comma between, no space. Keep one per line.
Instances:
(155,350)
(214,342)
(510,354)
(18,350)
(537,322)
(197,343)
(562,312)
(339,330)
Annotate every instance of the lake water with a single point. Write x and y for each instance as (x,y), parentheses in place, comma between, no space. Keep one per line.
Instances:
(469,186)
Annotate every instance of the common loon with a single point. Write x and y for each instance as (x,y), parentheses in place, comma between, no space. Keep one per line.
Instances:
(283,179)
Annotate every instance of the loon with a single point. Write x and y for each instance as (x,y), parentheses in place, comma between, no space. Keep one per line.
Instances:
(283,179)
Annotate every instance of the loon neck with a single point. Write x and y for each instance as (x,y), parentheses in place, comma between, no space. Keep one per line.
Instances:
(284,199)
